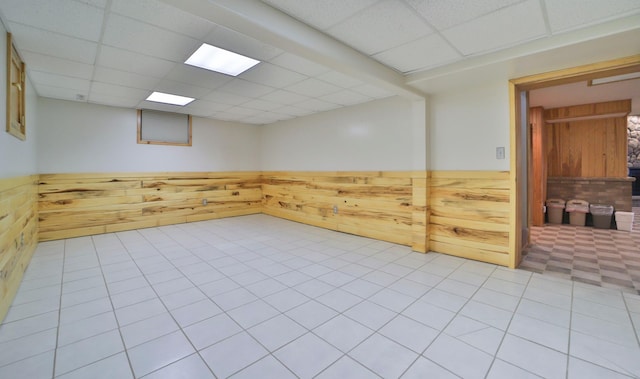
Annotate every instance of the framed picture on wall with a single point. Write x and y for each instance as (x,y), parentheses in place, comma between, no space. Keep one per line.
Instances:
(16,81)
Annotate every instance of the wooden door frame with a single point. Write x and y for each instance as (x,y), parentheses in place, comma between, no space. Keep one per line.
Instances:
(516,87)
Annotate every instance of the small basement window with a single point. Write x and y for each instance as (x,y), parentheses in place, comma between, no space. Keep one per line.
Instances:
(163,128)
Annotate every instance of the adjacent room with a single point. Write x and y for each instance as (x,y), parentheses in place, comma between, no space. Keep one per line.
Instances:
(318,189)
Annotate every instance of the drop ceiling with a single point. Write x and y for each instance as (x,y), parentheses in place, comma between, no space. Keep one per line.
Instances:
(315,55)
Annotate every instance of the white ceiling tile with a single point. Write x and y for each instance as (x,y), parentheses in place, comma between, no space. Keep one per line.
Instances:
(114,101)
(46,63)
(380,27)
(298,64)
(245,88)
(242,112)
(56,45)
(423,53)
(157,13)
(198,76)
(123,78)
(134,62)
(443,14)
(226,98)
(320,14)
(132,35)
(265,118)
(372,91)
(346,97)
(271,75)
(260,105)
(293,111)
(569,14)
(241,44)
(284,97)
(317,105)
(60,81)
(181,89)
(313,88)
(116,90)
(66,17)
(339,79)
(95,3)
(498,29)
(57,92)
(205,108)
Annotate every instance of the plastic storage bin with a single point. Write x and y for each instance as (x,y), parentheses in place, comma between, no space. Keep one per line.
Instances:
(555,210)
(601,215)
(624,220)
(577,210)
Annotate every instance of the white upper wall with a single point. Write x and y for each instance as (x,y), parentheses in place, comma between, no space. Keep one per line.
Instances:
(79,137)
(466,127)
(373,136)
(17,157)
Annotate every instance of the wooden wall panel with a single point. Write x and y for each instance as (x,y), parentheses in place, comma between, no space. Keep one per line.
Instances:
(588,141)
(376,204)
(469,214)
(538,180)
(73,205)
(18,233)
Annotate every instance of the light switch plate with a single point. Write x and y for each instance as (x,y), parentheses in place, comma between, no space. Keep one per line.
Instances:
(500,152)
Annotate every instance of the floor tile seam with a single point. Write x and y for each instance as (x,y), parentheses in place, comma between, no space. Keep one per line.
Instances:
(618,368)
(113,309)
(55,352)
(506,332)
(168,311)
(353,359)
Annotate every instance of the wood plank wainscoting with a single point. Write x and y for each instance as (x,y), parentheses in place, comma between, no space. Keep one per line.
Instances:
(470,213)
(18,233)
(73,205)
(373,204)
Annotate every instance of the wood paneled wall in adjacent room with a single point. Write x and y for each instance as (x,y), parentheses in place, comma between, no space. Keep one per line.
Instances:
(18,233)
(375,204)
(582,141)
(72,205)
(469,214)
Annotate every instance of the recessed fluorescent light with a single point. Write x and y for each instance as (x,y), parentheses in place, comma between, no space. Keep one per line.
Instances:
(168,98)
(617,78)
(220,60)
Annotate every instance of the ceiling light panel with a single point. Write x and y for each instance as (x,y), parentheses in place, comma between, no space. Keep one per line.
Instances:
(167,98)
(220,60)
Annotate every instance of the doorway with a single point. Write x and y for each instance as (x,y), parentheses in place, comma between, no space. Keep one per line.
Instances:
(520,138)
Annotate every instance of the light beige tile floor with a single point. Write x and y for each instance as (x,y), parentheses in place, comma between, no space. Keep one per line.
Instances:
(260,297)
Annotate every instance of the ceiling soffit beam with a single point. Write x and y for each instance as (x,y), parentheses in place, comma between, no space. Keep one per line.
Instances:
(539,45)
(264,23)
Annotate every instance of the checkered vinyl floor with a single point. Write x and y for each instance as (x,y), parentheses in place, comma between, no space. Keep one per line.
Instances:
(606,258)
